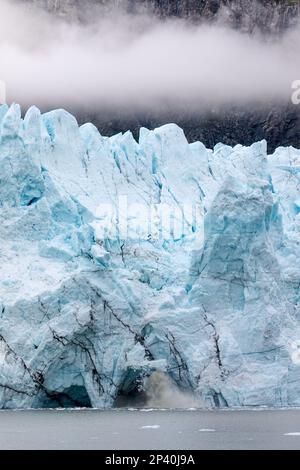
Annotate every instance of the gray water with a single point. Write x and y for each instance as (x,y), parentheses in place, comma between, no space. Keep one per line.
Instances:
(148,430)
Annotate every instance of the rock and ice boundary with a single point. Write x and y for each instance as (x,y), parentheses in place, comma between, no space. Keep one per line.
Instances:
(83,319)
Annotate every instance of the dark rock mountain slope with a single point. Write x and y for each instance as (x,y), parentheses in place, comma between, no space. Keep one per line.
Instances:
(248,15)
(279,123)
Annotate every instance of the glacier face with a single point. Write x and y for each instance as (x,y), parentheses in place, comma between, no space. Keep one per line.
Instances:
(84,319)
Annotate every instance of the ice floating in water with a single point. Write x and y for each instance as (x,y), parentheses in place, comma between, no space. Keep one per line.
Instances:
(155,426)
(85,319)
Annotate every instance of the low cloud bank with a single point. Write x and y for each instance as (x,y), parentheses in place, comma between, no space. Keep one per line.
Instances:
(136,61)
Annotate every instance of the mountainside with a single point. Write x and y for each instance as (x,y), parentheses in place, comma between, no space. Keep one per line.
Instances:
(278,123)
(89,311)
(248,15)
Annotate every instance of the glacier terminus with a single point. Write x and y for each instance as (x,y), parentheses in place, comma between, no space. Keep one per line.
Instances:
(85,320)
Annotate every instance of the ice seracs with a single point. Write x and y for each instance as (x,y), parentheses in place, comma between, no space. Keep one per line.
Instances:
(84,319)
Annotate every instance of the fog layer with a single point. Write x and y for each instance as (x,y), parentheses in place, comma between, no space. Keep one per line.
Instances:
(120,60)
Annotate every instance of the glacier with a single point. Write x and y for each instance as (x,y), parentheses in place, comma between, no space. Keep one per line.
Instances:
(84,321)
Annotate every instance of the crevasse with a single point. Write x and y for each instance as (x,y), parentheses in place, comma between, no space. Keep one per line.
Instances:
(82,322)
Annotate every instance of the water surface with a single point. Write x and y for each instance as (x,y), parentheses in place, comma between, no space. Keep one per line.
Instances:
(148,430)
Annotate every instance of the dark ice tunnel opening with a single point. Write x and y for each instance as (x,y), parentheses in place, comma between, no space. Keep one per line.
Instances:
(132,391)
(75,396)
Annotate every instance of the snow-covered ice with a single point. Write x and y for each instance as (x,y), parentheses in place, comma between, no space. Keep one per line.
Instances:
(84,320)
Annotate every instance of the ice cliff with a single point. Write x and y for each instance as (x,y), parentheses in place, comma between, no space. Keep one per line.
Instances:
(85,319)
